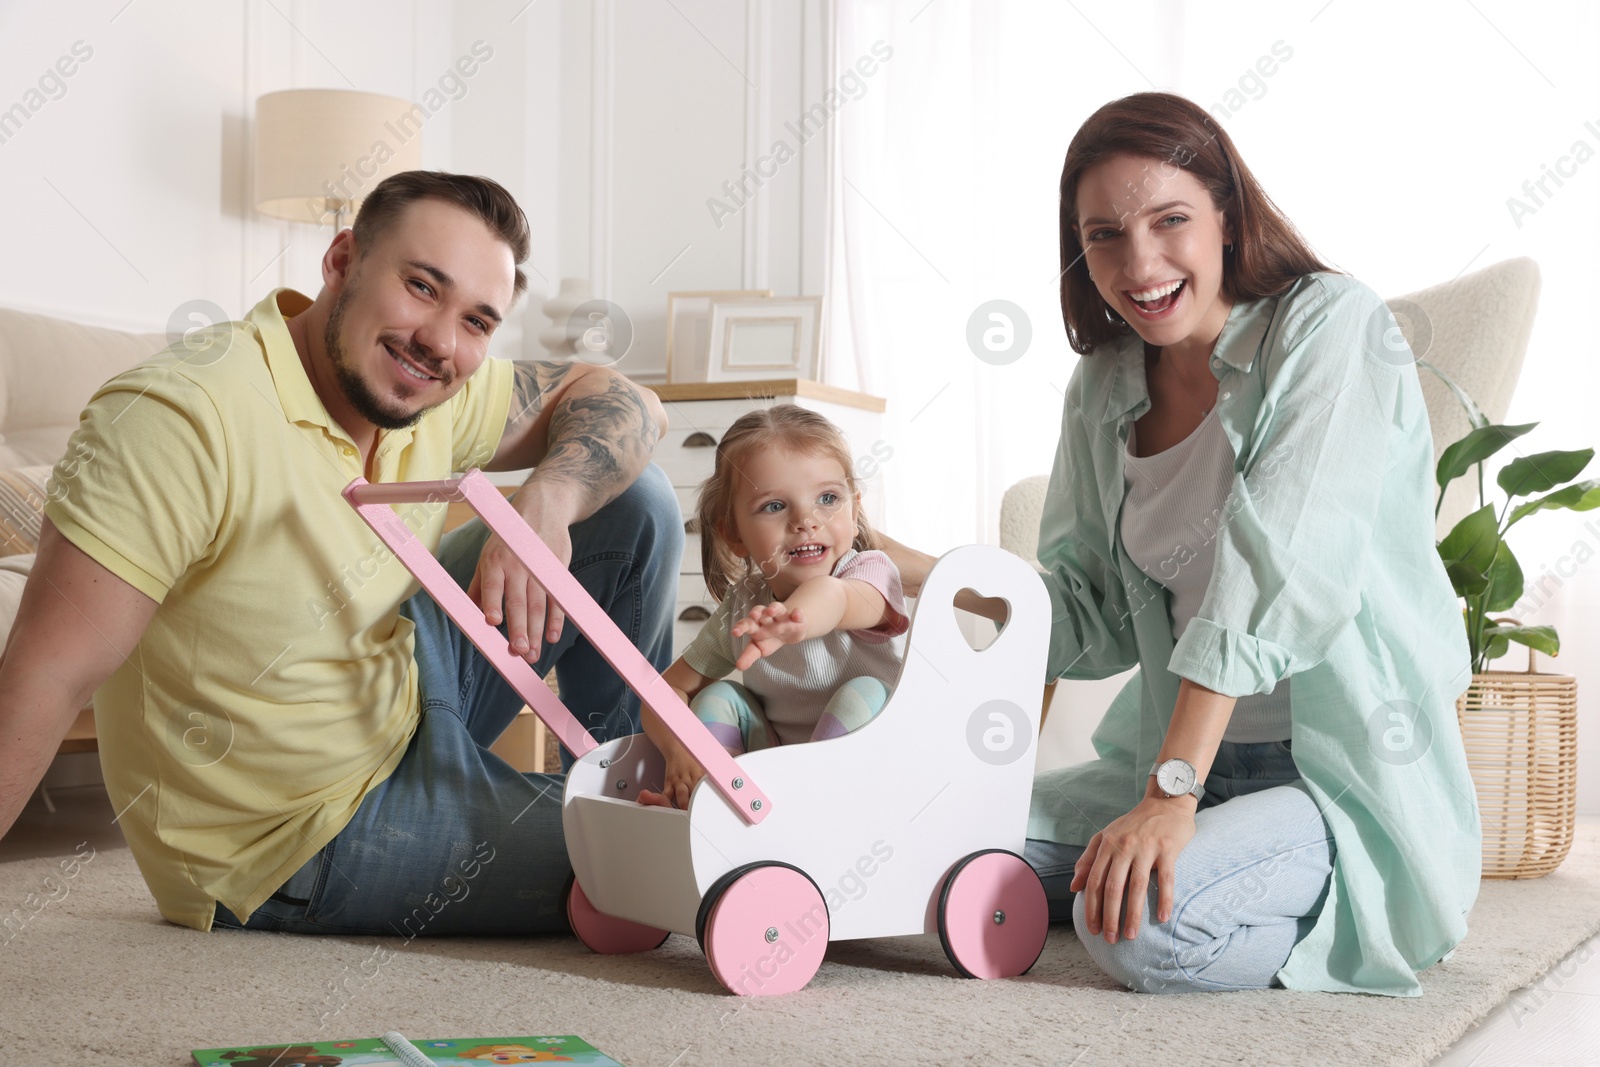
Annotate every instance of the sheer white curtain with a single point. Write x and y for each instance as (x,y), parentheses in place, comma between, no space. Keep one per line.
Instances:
(1395,136)
(945,199)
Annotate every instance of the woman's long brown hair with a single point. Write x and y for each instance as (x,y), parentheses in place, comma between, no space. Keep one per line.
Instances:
(1268,253)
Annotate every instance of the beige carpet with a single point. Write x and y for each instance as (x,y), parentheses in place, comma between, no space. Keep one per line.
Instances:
(98,973)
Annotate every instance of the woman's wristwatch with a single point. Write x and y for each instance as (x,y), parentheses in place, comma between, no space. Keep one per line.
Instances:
(1177,777)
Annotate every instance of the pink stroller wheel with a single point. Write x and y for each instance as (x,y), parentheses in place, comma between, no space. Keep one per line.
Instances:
(767,931)
(993,916)
(607,934)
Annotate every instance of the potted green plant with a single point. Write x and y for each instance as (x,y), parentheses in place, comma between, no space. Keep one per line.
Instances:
(1520,728)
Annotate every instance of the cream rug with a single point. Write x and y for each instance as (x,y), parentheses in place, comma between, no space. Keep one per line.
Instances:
(97,973)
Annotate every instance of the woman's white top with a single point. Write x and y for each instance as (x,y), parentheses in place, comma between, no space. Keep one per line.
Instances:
(1170,519)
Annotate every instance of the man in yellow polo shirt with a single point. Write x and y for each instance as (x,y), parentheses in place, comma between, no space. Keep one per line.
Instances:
(293,736)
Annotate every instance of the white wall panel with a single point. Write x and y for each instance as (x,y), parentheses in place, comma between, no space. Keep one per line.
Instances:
(123,166)
(132,190)
(614,122)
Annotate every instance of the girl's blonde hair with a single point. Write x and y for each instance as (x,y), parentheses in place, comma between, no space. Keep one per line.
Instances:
(783,425)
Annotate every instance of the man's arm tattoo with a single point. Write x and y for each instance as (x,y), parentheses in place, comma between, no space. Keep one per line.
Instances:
(600,441)
(532,381)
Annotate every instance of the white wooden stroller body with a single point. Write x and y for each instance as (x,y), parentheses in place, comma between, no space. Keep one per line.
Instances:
(911,824)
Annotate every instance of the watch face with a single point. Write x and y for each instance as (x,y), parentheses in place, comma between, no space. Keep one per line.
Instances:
(1175,777)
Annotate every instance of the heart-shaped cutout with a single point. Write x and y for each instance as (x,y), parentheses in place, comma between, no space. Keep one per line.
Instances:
(980,618)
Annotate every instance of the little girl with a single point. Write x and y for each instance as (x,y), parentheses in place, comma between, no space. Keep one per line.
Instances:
(808,605)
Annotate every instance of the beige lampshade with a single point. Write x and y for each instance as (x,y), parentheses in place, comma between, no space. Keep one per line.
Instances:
(319,152)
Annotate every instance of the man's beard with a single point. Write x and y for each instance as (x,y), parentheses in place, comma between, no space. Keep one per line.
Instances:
(366,402)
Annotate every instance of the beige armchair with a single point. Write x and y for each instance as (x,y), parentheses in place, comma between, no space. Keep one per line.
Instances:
(1475,329)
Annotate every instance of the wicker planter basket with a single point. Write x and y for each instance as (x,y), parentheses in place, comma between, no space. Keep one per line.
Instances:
(1521,735)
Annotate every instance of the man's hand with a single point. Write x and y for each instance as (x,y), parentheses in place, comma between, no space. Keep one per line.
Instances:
(528,610)
(770,627)
(507,589)
(588,432)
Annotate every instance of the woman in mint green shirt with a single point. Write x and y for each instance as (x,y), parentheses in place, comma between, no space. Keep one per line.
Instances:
(1280,496)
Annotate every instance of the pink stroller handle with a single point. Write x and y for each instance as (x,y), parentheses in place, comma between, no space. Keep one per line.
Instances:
(371,502)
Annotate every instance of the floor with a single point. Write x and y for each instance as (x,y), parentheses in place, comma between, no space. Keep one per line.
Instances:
(1555,1021)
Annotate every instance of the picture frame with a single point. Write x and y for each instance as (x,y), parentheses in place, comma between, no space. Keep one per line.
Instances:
(759,340)
(688,329)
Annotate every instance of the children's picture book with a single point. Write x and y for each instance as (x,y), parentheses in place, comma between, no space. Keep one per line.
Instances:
(392,1050)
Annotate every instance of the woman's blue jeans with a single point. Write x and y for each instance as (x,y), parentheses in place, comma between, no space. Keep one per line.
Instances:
(455,841)
(1250,884)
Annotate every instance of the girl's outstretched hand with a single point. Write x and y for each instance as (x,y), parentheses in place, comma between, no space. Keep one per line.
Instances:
(769,627)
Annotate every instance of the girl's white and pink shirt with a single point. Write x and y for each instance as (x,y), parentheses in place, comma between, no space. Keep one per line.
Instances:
(795,682)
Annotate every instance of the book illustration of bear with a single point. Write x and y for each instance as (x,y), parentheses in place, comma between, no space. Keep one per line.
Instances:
(282,1056)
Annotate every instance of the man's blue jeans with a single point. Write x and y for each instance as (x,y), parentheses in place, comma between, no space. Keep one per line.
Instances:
(455,841)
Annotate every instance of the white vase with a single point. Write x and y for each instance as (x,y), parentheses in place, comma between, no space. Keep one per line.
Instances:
(560,338)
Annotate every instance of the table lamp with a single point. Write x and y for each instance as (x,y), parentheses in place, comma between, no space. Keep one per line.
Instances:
(319,152)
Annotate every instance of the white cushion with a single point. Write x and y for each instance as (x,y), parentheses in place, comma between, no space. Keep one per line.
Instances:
(49,368)
(13,576)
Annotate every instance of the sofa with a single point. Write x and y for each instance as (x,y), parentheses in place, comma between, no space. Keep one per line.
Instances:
(49,368)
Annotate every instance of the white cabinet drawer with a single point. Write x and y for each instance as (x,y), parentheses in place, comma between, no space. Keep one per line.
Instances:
(694,604)
(696,614)
(686,455)
(687,451)
(682,634)
(715,416)
(692,590)
(691,555)
(688,499)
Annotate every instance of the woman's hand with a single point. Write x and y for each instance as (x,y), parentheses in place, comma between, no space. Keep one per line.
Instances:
(912,565)
(1119,859)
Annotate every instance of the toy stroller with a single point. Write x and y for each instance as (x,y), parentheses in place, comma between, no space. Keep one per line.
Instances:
(911,824)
